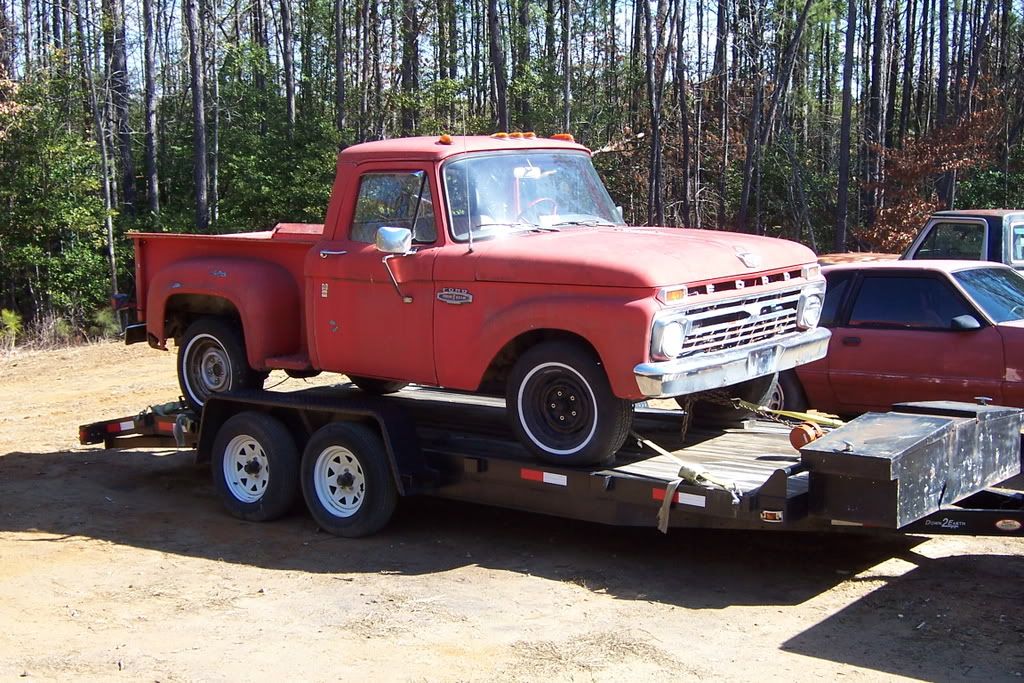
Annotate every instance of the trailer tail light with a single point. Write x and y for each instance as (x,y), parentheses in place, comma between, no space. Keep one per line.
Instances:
(773,516)
(543,477)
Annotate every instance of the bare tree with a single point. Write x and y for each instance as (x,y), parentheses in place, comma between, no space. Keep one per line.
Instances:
(198,87)
(839,243)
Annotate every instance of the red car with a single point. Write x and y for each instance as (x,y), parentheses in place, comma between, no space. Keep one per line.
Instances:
(915,331)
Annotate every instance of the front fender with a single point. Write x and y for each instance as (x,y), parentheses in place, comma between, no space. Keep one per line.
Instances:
(618,328)
(264,294)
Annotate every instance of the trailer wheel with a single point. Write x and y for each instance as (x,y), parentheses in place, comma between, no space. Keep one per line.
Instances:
(211,359)
(379,387)
(562,407)
(255,467)
(347,481)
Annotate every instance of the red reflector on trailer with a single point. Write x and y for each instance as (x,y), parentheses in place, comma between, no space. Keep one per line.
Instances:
(125,426)
(543,477)
(165,426)
(681,498)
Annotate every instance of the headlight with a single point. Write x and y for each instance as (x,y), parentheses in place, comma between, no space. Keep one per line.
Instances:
(809,311)
(672,336)
(668,336)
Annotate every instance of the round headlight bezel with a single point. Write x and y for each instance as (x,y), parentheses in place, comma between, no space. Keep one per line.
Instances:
(809,314)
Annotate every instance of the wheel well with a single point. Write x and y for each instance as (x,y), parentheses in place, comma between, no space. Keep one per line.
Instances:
(501,365)
(182,309)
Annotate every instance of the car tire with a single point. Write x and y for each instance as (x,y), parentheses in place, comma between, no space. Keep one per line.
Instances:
(347,480)
(712,413)
(792,392)
(378,387)
(562,408)
(212,359)
(255,467)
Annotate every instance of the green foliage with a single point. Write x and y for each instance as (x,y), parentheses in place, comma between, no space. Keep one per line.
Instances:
(104,324)
(10,328)
(51,228)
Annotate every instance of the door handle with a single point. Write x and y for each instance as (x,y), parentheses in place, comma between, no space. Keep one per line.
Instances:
(324,253)
(851,341)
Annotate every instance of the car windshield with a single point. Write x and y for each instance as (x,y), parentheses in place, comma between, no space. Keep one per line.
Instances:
(506,192)
(999,291)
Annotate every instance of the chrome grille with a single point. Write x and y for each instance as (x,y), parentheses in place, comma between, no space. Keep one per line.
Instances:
(739,322)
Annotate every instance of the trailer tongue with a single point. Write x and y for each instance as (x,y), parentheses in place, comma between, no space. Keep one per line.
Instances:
(922,468)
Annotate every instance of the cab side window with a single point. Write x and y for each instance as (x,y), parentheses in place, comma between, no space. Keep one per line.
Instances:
(395,200)
(948,240)
(906,302)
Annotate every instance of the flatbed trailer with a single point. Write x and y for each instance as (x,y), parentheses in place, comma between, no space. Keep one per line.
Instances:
(923,468)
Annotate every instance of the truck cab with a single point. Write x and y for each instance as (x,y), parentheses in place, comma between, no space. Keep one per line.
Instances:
(974,234)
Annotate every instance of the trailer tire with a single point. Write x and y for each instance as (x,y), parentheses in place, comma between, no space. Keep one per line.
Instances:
(562,407)
(255,467)
(211,359)
(378,387)
(347,480)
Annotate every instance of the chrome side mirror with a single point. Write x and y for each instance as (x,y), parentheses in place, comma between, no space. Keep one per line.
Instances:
(394,240)
(965,322)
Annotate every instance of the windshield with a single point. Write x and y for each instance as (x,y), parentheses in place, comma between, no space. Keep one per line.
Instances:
(495,194)
(999,291)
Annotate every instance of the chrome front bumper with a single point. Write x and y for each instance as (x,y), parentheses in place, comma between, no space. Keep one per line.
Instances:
(705,371)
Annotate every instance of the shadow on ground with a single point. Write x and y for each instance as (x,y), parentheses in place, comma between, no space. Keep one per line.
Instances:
(163,501)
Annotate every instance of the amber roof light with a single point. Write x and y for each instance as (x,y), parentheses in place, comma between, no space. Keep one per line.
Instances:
(563,136)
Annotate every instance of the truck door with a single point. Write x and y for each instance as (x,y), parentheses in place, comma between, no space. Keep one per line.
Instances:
(897,345)
(366,322)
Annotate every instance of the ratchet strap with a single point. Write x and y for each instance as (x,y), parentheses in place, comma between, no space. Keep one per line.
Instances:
(688,473)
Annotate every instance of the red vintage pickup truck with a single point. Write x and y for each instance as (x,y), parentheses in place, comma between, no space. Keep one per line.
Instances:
(484,263)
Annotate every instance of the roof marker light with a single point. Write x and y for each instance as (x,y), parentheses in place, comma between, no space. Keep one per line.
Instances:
(499,135)
(445,139)
(563,136)
(529,135)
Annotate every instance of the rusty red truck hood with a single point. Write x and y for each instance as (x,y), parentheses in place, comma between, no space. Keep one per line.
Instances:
(631,257)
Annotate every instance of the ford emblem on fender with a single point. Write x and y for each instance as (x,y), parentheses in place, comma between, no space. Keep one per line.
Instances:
(454,295)
(749,258)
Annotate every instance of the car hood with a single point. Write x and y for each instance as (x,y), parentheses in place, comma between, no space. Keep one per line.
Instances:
(631,257)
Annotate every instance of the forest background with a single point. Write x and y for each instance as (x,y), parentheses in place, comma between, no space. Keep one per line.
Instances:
(838,123)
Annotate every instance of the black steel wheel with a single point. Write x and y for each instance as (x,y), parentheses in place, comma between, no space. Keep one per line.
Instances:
(562,407)
(347,480)
(255,467)
(211,359)
(380,387)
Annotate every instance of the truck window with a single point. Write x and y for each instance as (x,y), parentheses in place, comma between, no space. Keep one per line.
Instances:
(914,302)
(837,286)
(1017,242)
(949,240)
(395,200)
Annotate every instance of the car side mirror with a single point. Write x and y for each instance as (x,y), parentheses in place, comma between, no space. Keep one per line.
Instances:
(396,241)
(965,322)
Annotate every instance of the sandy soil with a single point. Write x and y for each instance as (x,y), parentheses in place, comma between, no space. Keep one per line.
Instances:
(123,565)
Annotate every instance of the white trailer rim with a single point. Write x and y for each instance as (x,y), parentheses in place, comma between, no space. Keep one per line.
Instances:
(339,481)
(246,468)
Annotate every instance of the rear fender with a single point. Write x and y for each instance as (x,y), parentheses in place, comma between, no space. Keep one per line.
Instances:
(264,294)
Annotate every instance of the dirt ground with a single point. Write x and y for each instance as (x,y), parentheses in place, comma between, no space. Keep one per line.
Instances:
(123,565)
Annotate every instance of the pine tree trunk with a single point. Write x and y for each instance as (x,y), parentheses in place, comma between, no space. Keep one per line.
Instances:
(839,243)
(289,66)
(198,87)
(149,59)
